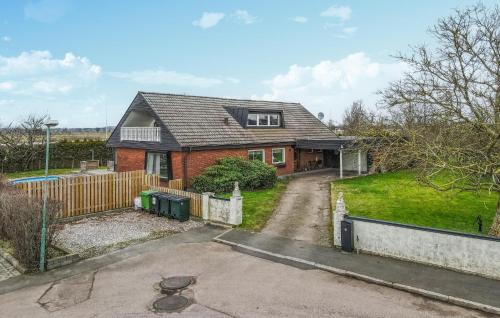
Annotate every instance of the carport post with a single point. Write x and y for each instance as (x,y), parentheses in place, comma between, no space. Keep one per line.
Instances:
(341,166)
(359,162)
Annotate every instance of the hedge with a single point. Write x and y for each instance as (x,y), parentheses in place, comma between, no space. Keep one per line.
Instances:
(220,178)
(63,154)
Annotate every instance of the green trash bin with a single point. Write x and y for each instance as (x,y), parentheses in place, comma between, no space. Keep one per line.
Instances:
(146,197)
(155,203)
(164,202)
(179,207)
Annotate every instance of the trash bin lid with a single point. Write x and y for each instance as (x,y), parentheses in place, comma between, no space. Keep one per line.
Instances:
(178,198)
(164,195)
(148,192)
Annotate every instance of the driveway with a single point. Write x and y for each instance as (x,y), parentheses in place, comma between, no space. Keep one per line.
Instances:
(228,284)
(304,209)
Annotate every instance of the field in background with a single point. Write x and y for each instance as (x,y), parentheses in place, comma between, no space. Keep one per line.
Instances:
(398,197)
(73,135)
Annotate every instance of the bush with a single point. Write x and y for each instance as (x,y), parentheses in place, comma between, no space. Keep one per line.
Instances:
(21,223)
(251,175)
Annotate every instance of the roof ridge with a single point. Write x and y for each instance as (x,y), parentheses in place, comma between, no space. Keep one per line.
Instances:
(223,98)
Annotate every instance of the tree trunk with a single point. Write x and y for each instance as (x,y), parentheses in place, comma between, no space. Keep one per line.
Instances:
(495,226)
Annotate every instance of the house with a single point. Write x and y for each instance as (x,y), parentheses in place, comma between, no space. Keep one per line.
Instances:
(178,136)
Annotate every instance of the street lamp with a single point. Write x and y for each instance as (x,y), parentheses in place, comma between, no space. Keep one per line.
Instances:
(49,123)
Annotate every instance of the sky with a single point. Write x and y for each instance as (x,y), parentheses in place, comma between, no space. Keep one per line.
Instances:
(82,62)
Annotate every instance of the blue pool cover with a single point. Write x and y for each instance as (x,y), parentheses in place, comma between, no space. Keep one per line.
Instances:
(32,179)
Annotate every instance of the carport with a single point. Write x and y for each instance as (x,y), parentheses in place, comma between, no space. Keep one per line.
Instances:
(340,153)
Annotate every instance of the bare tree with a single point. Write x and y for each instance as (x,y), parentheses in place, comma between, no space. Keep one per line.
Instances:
(20,141)
(446,109)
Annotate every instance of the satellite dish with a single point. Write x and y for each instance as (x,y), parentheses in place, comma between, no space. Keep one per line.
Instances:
(321,116)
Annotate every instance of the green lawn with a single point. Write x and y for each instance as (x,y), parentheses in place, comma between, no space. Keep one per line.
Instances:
(398,197)
(258,206)
(36,173)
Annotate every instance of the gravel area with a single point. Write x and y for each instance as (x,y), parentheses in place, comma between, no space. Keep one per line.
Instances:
(94,235)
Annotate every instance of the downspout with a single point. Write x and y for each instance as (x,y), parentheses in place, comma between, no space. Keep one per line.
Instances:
(185,168)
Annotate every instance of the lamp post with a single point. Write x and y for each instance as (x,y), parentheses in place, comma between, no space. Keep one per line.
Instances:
(49,123)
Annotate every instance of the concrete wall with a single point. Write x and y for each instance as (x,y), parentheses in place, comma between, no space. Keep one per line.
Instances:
(228,211)
(350,160)
(462,252)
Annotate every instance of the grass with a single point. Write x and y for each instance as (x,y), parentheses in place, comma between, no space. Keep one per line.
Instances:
(41,172)
(258,205)
(398,197)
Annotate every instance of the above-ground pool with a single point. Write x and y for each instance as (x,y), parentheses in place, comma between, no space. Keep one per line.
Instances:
(33,179)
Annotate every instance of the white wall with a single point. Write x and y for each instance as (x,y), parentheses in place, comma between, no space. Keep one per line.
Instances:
(228,211)
(459,252)
(350,160)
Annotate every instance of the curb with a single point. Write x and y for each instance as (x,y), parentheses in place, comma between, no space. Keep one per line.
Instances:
(418,291)
(14,262)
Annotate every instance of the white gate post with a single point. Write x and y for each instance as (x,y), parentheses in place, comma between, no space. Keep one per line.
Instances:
(341,163)
(338,216)
(236,208)
(359,162)
(205,204)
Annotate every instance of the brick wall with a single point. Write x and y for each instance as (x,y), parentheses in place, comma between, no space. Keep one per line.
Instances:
(128,159)
(199,160)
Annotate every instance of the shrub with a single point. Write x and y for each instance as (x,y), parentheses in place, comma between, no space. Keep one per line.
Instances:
(21,223)
(251,175)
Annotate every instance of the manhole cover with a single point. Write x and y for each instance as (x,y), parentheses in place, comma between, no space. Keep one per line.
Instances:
(176,282)
(171,303)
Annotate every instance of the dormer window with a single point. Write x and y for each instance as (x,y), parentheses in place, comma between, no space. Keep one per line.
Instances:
(263,120)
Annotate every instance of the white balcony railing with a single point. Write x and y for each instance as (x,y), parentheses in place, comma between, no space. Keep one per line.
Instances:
(140,134)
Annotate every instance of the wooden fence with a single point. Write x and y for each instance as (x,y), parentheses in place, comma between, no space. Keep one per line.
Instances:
(195,202)
(90,194)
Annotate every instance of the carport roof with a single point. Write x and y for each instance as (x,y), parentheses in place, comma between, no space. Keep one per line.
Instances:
(326,144)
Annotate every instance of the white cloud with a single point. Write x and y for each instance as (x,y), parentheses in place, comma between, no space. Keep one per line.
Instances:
(40,72)
(209,19)
(6,38)
(346,32)
(245,17)
(160,77)
(232,80)
(341,12)
(331,86)
(6,86)
(300,19)
(349,30)
(46,10)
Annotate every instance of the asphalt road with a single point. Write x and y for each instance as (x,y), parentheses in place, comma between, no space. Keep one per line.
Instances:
(228,284)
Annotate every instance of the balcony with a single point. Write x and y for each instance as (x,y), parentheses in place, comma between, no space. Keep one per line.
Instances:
(140,134)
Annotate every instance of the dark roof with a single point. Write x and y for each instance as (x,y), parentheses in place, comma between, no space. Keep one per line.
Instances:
(344,142)
(196,121)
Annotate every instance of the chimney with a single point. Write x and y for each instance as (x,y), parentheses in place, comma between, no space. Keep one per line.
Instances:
(226,121)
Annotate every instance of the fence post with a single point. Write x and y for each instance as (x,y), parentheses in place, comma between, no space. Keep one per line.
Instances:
(205,205)
(338,216)
(236,208)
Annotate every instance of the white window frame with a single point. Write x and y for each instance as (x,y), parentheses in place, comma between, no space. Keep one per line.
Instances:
(255,150)
(284,156)
(268,120)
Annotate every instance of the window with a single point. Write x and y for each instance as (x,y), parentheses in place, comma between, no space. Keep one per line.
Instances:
(263,120)
(256,155)
(157,163)
(252,120)
(278,155)
(274,120)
